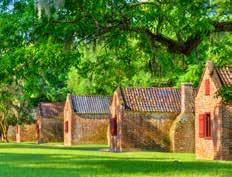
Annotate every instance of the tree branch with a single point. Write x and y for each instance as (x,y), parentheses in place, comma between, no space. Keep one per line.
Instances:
(173,45)
(184,47)
(222,26)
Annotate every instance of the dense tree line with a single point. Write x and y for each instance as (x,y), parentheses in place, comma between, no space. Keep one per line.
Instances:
(50,48)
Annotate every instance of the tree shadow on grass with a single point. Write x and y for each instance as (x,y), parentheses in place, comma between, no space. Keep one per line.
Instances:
(53,146)
(60,165)
(81,147)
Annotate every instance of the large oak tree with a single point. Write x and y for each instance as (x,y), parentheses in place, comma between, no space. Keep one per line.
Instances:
(178,25)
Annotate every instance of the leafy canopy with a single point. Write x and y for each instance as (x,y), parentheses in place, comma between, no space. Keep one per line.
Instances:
(50,48)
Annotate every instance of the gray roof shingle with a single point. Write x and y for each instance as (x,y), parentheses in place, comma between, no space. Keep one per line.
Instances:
(48,110)
(91,104)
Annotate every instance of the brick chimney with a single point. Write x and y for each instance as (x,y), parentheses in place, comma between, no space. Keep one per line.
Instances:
(182,129)
(187,101)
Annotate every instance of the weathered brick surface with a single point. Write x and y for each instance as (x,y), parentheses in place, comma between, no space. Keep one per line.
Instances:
(227,132)
(68,114)
(11,134)
(216,147)
(89,129)
(49,119)
(117,111)
(146,130)
(27,133)
(182,132)
(208,148)
(51,129)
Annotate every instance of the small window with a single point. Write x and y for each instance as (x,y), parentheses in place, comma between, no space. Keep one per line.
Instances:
(66,127)
(207,125)
(207,87)
(201,126)
(113,126)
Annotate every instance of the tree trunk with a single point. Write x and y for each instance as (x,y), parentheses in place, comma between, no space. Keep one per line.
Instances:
(4,136)
(4,130)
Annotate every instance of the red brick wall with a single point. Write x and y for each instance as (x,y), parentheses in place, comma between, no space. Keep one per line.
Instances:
(227,132)
(89,129)
(209,148)
(147,130)
(11,134)
(51,130)
(138,129)
(27,133)
(182,132)
(117,112)
(68,114)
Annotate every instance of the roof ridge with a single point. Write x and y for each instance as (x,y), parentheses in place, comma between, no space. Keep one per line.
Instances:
(152,88)
(50,109)
(123,98)
(51,102)
(224,66)
(91,104)
(90,96)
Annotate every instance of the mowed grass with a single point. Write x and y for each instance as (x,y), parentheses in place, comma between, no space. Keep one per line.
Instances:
(54,160)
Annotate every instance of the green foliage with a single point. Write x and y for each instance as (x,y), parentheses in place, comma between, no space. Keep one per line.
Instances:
(221,51)
(92,47)
(226,93)
(102,69)
(76,84)
(14,109)
(33,66)
(193,74)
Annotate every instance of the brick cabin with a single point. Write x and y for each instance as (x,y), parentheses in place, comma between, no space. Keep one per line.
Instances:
(22,133)
(213,122)
(86,119)
(50,117)
(152,118)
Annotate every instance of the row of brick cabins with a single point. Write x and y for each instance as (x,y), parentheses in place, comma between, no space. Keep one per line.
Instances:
(47,127)
(155,118)
(143,118)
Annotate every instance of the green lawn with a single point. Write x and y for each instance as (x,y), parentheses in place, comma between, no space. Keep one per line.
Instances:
(31,160)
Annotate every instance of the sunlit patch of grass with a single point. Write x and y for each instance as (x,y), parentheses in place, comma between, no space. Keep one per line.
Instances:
(56,160)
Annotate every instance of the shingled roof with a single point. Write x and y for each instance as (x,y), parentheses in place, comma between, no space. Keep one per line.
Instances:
(48,110)
(152,99)
(91,104)
(225,75)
